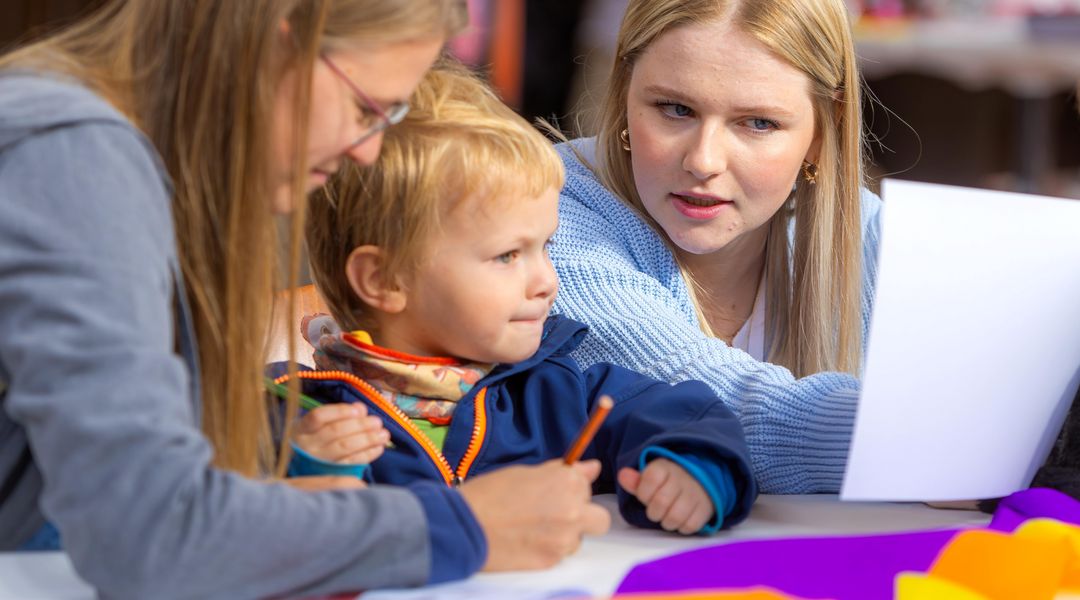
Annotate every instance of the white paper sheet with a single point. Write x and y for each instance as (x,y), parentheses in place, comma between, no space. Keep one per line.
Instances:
(974,350)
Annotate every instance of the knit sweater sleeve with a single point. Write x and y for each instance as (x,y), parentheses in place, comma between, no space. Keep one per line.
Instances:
(617,276)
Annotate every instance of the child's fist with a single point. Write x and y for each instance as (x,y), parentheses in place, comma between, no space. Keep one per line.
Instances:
(672,497)
(342,433)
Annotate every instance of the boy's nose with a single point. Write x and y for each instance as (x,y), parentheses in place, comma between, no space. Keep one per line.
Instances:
(544,283)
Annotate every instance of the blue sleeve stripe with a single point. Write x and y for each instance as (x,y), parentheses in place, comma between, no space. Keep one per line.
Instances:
(304,464)
(715,478)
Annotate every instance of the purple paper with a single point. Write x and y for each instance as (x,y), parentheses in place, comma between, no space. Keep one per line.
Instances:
(844,568)
(1032,504)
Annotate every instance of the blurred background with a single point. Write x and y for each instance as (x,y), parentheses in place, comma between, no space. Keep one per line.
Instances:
(968,92)
(977,93)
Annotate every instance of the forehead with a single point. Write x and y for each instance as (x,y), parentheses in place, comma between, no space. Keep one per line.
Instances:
(716,60)
(388,71)
(508,210)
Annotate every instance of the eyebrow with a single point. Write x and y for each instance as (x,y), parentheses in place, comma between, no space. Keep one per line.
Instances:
(671,94)
(676,95)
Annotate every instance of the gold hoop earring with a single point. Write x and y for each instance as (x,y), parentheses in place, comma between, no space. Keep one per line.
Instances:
(624,137)
(809,172)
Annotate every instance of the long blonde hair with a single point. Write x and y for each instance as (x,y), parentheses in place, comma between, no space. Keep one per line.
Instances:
(814,303)
(199,78)
(459,141)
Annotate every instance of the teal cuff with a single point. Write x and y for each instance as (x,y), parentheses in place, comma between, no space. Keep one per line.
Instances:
(715,478)
(304,464)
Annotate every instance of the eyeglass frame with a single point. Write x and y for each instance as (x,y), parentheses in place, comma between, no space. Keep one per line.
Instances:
(386,118)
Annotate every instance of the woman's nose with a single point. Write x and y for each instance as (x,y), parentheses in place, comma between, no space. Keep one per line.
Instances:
(707,154)
(366,152)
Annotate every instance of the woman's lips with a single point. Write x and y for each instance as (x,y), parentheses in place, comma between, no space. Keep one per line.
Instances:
(698,207)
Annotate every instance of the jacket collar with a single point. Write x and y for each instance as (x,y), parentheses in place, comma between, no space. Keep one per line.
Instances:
(561,336)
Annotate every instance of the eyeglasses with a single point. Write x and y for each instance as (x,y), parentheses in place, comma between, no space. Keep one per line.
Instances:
(373,118)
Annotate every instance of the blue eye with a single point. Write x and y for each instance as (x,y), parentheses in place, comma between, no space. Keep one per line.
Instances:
(507,257)
(762,124)
(675,110)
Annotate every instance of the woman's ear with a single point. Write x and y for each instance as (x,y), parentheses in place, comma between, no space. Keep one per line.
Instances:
(365,271)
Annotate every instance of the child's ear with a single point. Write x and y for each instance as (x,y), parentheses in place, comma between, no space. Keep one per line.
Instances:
(364,269)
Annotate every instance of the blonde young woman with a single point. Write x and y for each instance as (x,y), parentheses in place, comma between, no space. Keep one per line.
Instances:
(143,154)
(717,229)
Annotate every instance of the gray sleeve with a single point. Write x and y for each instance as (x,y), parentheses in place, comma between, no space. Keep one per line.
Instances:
(86,347)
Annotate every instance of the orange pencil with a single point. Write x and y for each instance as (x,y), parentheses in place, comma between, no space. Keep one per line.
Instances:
(599,413)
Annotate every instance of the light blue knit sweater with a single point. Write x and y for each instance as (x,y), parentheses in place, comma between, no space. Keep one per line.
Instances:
(617,276)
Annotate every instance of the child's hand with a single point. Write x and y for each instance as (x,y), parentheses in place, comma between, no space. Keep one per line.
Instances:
(342,433)
(672,497)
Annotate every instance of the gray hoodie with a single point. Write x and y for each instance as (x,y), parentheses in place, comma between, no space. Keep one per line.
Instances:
(99,413)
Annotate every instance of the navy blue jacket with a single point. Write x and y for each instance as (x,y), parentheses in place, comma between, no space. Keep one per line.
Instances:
(532,411)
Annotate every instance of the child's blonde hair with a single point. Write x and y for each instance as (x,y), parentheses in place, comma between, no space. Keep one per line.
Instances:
(458,141)
(198,78)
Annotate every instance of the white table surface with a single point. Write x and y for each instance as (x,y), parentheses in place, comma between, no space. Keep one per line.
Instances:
(597,568)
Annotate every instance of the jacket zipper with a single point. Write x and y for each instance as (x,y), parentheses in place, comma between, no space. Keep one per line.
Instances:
(450,476)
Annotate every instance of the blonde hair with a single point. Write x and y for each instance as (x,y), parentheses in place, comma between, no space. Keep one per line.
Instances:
(199,78)
(814,305)
(458,142)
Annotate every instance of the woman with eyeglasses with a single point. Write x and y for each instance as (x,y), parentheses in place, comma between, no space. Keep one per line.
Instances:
(144,154)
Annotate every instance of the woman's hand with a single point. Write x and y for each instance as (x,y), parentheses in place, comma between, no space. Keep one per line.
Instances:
(672,497)
(533,516)
(342,433)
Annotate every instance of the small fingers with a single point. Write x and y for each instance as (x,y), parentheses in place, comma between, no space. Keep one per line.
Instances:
(678,514)
(328,413)
(342,438)
(370,450)
(703,513)
(660,503)
(340,449)
(629,479)
(343,428)
(677,502)
(652,479)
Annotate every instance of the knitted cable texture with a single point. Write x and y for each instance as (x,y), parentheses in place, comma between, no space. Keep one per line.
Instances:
(618,277)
